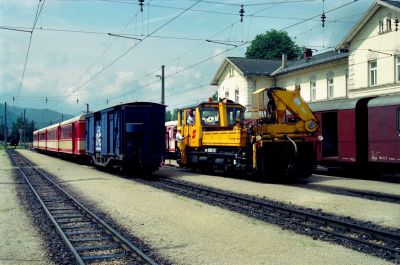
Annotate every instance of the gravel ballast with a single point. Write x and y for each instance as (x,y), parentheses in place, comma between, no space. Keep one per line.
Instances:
(357,184)
(186,231)
(20,241)
(380,213)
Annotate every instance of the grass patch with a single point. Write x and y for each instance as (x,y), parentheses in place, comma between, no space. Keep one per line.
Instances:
(11,147)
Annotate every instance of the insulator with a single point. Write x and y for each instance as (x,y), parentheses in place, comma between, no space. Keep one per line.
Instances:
(396,24)
(141,5)
(241,12)
(323,17)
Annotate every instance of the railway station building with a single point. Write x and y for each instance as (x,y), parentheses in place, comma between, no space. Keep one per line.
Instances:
(365,63)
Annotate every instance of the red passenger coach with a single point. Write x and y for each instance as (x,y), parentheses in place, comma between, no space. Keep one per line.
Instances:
(72,136)
(360,133)
(65,137)
(337,126)
(40,139)
(52,138)
(384,131)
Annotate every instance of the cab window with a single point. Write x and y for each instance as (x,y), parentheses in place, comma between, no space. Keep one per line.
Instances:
(190,116)
(181,118)
(234,115)
(209,116)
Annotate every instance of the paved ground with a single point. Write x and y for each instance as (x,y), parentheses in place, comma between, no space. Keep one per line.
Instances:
(20,242)
(381,213)
(186,231)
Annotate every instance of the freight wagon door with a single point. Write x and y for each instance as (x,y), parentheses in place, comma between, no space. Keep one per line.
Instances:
(90,134)
(134,141)
(104,134)
(98,137)
(110,141)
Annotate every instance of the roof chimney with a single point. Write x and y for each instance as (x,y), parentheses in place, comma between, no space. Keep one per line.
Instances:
(284,60)
(307,53)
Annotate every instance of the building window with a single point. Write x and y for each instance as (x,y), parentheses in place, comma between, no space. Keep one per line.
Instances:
(231,72)
(380,26)
(398,68)
(237,95)
(388,24)
(226,94)
(313,89)
(330,88)
(372,72)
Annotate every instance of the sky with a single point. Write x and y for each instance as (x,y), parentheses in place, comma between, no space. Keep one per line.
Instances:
(104,52)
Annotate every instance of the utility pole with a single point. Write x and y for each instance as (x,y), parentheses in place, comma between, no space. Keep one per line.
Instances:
(5,124)
(162,77)
(162,85)
(2,124)
(87,108)
(62,117)
(23,128)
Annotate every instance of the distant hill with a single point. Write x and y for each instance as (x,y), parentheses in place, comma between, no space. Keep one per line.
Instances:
(41,117)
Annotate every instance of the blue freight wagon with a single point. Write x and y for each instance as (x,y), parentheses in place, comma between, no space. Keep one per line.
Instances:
(130,135)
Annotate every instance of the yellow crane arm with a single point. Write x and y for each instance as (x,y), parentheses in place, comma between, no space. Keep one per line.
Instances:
(292,101)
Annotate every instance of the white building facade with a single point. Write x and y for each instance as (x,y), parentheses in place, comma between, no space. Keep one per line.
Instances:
(365,63)
(374,51)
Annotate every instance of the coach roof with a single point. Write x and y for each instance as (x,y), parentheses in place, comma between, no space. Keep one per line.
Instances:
(385,100)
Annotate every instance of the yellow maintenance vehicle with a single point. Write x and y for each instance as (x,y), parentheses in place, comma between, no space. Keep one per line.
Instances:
(278,140)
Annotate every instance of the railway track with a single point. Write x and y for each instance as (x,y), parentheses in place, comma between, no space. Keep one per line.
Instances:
(362,237)
(88,237)
(370,195)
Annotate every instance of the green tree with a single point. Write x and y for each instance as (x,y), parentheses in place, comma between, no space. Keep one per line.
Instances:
(20,124)
(1,132)
(171,115)
(272,45)
(168,115)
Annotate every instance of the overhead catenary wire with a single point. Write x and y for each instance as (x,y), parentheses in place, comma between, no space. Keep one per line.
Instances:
(118,35)
(108,47)
(310,18)
(37,15)
(184,69)
(129,49)
(158,68)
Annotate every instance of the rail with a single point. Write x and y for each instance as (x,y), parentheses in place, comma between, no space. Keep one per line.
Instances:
(89,238)
(366,237)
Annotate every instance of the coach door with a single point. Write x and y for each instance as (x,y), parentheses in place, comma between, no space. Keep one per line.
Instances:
(362,132)
(330,133)
(58,138)
(73,138)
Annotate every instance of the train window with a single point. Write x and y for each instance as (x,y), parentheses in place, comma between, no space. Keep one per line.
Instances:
(234,114)
(209,116)
(66,133)
(398,121)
